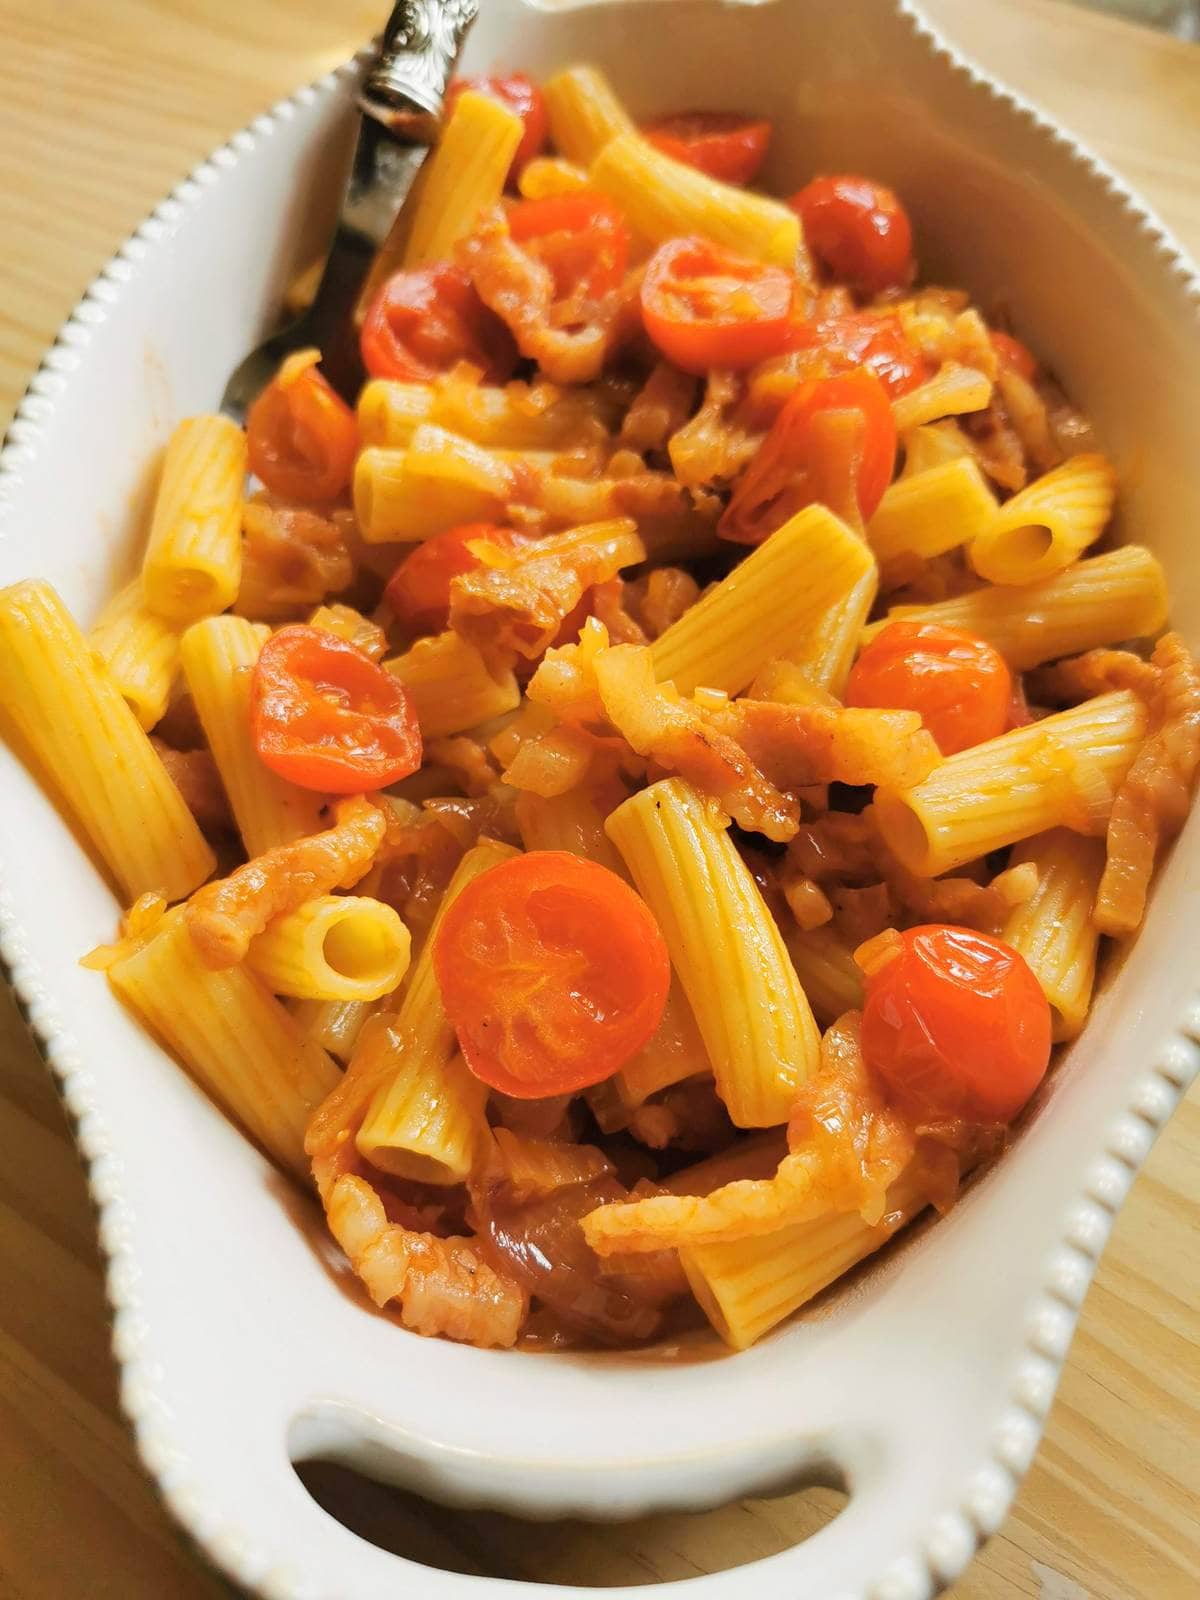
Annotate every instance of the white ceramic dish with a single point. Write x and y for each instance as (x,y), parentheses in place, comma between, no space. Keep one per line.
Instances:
(926,1383)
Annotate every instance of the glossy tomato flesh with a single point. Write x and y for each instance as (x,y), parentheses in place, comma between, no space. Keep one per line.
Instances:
(959,683)
(785,473)
(553,972)
(705,307)
(301,437)
(957,1025)
(324,716)
(724,144)
(425,321)
(858,230)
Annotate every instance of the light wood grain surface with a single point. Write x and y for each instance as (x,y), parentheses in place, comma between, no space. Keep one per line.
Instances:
(103,104)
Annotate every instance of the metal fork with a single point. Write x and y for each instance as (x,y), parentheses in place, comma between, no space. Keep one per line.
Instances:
(399,102)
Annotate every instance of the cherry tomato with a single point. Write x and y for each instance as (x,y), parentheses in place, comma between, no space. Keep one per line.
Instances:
(957,1025)
(959,683)
(423,322)
(324,716)
(581,237)
(1012,353)
(301,437)
(418,592)
(553,972)
(705,307)
(864,339)
(785,473)
(724,144)
(858,230)
(519,94)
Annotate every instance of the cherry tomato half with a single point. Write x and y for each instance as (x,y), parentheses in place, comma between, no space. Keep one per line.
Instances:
(519,94)
(957,1025)
(724,144)
(858,230)
(301,437)
(1013,354)
(705,307)
(581,237)
(960,684)
(418,591)
(786,473)
(553,972)
(865,339)
(423,322)
(324,716)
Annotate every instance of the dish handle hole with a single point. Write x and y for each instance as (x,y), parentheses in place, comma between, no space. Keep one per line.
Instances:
(671,1546)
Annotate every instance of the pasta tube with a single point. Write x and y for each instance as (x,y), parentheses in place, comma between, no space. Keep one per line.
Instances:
(1053,929)
(140,650)
(436,483)
(771,605)
(951,392)
(933,511)
(575,822)
(427,1120)
(218,656)
(61,701)
(1048,524)
(828,972)
(748,1286)
(334,947)
(546,176)
(1060,772)
(932,444)
(727,952)
(389,414)
(466,174)
(674,1051)
(333,1024)
(240,1044)
(1119,595)
(826,652)
(193,562)
(451,687)
(584,113)
(661,199)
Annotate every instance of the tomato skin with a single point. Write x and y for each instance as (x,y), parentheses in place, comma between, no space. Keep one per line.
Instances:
(553,972)
(301,437)
(960,684)
(418,591)
(957,1025)
(519,94)
(864,339)
(1013,354)
(581,237)
(773,481)
(423,322)
(858,230)
(324,716)
(724,144)
(706,307)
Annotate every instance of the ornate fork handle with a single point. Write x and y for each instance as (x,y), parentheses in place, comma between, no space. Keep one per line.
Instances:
(421,42)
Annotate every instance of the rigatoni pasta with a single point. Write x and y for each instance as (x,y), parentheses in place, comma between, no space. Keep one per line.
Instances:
(239,1042)
(140,650)
(72,716)
(193,559)
(218,657)
(751,1011)
(745,906)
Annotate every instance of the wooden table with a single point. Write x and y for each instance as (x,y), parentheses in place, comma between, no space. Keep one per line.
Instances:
(103,104)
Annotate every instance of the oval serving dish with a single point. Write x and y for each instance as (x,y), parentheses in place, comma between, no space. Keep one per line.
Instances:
(925,1382)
